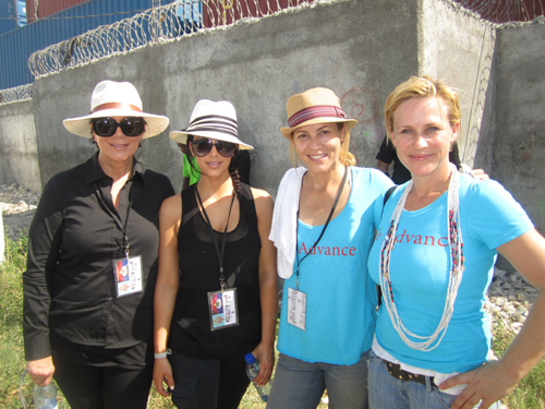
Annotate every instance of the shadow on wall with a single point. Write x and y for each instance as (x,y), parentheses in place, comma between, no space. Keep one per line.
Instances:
(484,154)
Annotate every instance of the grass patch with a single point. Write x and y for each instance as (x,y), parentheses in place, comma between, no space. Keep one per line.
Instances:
(11,318)
(530,393)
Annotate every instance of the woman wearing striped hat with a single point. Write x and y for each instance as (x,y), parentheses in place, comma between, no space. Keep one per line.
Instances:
(216,293)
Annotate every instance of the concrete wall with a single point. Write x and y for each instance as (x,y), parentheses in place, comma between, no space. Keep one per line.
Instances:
(519,138)
(257,65)
(361,49)
(457,47)
(18,152)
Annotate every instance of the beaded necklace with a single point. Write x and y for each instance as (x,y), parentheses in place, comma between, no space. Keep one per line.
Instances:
(430,342)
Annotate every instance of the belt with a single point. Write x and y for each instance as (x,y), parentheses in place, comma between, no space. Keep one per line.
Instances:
(398,373)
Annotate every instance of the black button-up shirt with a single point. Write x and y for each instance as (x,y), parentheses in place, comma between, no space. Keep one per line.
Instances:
(69,285)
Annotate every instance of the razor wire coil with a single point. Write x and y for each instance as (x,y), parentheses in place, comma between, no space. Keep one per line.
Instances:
(174,20)
(505,11)
(184,17)
(20,93)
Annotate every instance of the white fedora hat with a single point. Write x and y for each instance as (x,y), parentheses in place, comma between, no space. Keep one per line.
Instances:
(212,119)
(111,98)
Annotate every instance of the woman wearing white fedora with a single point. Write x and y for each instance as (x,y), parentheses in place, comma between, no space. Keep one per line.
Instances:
(323,229)
(216,294)
(92,261)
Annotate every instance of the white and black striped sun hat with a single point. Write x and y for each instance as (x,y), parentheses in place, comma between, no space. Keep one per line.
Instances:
(212,119)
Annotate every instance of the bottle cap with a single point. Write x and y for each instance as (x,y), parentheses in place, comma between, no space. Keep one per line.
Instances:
(249,358)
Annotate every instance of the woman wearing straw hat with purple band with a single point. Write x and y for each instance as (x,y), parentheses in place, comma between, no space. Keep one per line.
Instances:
(323,229)
(92,261)
(216,296)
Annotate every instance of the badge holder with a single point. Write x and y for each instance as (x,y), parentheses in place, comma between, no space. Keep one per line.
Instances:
(297,300)
(222,304)
(297,307)
(223,308)
(128,275)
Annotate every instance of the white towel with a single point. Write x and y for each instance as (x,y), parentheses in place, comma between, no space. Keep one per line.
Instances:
(284,221)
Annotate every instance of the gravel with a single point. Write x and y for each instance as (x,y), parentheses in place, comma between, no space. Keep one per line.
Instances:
(509,296)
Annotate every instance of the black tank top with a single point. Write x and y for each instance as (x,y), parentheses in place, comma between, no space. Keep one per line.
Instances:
(199,273)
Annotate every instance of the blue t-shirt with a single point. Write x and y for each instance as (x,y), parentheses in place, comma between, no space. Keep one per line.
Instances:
(341,298)
(419,272)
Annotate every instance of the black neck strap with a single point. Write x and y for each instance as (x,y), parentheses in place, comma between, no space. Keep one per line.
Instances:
(220,252)
(339,192)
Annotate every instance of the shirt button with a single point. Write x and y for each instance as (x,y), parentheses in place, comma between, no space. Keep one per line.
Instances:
(110,298)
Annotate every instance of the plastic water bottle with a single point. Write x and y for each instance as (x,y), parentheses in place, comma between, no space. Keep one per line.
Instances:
(45,397)
(252,369)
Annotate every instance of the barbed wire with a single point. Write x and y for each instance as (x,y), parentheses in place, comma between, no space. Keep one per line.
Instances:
(185,17)
(505,11)
(177,19)
(19,93)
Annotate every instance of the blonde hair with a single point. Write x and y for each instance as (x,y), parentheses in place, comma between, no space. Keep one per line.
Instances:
(421,87)
(345,157)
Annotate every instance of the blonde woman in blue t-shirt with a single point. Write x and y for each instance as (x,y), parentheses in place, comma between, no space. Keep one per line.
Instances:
(434,256)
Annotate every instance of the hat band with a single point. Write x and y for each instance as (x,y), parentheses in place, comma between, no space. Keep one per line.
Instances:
(213,123)
(116,105)
(315,112)
(198,129)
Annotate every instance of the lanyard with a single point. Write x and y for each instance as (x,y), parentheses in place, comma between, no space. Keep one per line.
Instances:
(341,186)
(220,253)
(122,226)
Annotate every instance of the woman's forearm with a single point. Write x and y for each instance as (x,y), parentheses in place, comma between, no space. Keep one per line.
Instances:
(165,299)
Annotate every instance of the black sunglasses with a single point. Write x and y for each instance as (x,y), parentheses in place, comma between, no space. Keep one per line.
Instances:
(202,147)
(108,126)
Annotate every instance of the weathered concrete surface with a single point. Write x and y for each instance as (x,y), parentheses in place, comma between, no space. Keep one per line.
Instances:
(18,152)
(519,138)
(457,47)
(255,64)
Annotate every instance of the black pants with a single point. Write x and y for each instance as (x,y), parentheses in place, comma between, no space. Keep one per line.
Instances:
(208,384)
(91,387)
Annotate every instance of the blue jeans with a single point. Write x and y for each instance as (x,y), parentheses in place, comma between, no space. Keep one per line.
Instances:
(387,392)
(300,385)
(208,384)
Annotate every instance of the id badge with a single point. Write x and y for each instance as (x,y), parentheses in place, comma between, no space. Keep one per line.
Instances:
(223,308)
(297,308)
(128,276)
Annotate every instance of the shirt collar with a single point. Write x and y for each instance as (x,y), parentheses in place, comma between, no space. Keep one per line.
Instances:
(93,171)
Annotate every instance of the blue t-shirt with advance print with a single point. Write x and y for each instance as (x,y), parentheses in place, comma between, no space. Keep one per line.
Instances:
(419,270)
(341,298)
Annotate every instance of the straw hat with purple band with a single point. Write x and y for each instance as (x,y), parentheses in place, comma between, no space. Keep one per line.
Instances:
(214,120)
(315,106)
(111,98)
